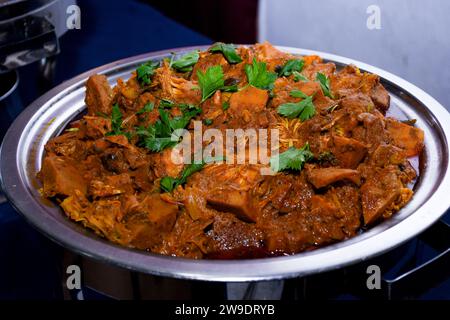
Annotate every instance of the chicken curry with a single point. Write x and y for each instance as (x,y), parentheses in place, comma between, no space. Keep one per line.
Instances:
(342,164)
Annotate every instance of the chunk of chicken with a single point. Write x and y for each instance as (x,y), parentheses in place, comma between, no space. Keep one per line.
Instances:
(405,137)
(61,176)
(322,177)
(98,95)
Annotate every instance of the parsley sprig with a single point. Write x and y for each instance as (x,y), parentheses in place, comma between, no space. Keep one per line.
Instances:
(147,108)
(158,136)
(186,62)
(116,123)
(211,81)
(228,51)
(304,109)
(146,71)
(168,184)
(258,75)
(324,82)
(291,159)
(290,66)
(298,76)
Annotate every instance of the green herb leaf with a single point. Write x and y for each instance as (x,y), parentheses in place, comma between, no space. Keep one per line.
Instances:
(304,109)
(185,63)
(147,108)
(116,119)
(291,159)
(258,76)
(208,122)
(232,88)
(298,76)
(298,94)
(228,51)
(225,105)
(167,184)
(166,103)
(116,123)
(324,84)
(158,136)
(146,71)
(210,81)
(291,66)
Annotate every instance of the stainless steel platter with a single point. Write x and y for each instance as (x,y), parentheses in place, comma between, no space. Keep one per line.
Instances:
(23,147)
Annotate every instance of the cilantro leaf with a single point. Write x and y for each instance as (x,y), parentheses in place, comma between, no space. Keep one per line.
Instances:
(147,108)
(258,76)
(116,123)
(290,66)
(186,62)
(298,94)
(116,119)
(324,82)
(298,76)
(146,71)
(228,51)
(158,136)
(292,158)
(225,105)
(304,109)
(166,103)
(210,81)
(167,183)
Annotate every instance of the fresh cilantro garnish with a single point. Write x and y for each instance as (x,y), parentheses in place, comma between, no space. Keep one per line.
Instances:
(298,76)
(258,76)
(324,84)
(304,109)
(166,103)
(292,158)
(298,94)
(158,136)
(147,108)
(290,66)
(232,88)
(225,105)
(167,183)
(116,123)
(146,71)
(186,107)
(228,51)
(210,81)
(208,122)
(185,63)
(116,119)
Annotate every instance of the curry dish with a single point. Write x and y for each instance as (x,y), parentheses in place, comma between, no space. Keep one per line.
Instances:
(342,164)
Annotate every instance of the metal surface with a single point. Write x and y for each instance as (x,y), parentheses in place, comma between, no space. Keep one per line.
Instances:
(29,30)
(23,147)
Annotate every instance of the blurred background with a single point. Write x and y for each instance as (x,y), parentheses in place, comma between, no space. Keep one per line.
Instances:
(45,42)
